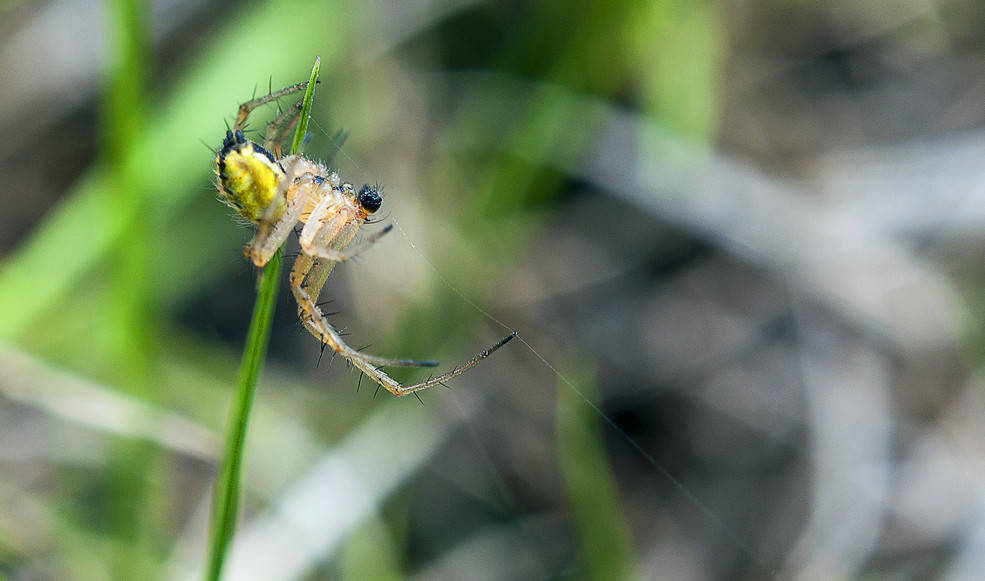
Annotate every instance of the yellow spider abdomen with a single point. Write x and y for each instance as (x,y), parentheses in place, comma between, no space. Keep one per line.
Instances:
(248,176)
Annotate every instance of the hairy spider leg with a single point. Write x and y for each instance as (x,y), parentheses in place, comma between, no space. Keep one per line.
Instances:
(369,364)
(246,108)
(279,220)
(325,247)
(280,128)
(283,124)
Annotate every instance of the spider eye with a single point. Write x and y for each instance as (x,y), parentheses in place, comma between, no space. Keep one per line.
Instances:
(369,198)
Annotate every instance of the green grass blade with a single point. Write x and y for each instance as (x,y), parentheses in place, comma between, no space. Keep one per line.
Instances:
(607,545)
(226,500)
(309,94)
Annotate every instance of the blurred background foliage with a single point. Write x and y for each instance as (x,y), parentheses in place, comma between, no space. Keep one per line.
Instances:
(749,233)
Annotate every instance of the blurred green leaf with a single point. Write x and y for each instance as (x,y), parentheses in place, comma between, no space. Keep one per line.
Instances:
(606,542)
(679,51)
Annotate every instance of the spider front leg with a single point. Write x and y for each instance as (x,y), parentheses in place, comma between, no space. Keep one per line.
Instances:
(314,242)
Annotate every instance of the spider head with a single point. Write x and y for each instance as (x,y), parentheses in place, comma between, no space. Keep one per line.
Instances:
(369,198)
(249,176)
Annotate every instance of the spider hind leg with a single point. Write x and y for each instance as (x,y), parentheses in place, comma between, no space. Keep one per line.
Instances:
(371,364)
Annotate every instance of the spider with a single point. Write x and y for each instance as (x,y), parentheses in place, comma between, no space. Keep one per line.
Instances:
(276,192)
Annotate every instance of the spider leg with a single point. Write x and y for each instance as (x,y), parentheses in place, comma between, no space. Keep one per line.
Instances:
(273,230)
(247,107)
(387,362)
(331,226)
(439,380)
(365,363)
(307,279)
(341,255)
(280,128)
(327,232)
